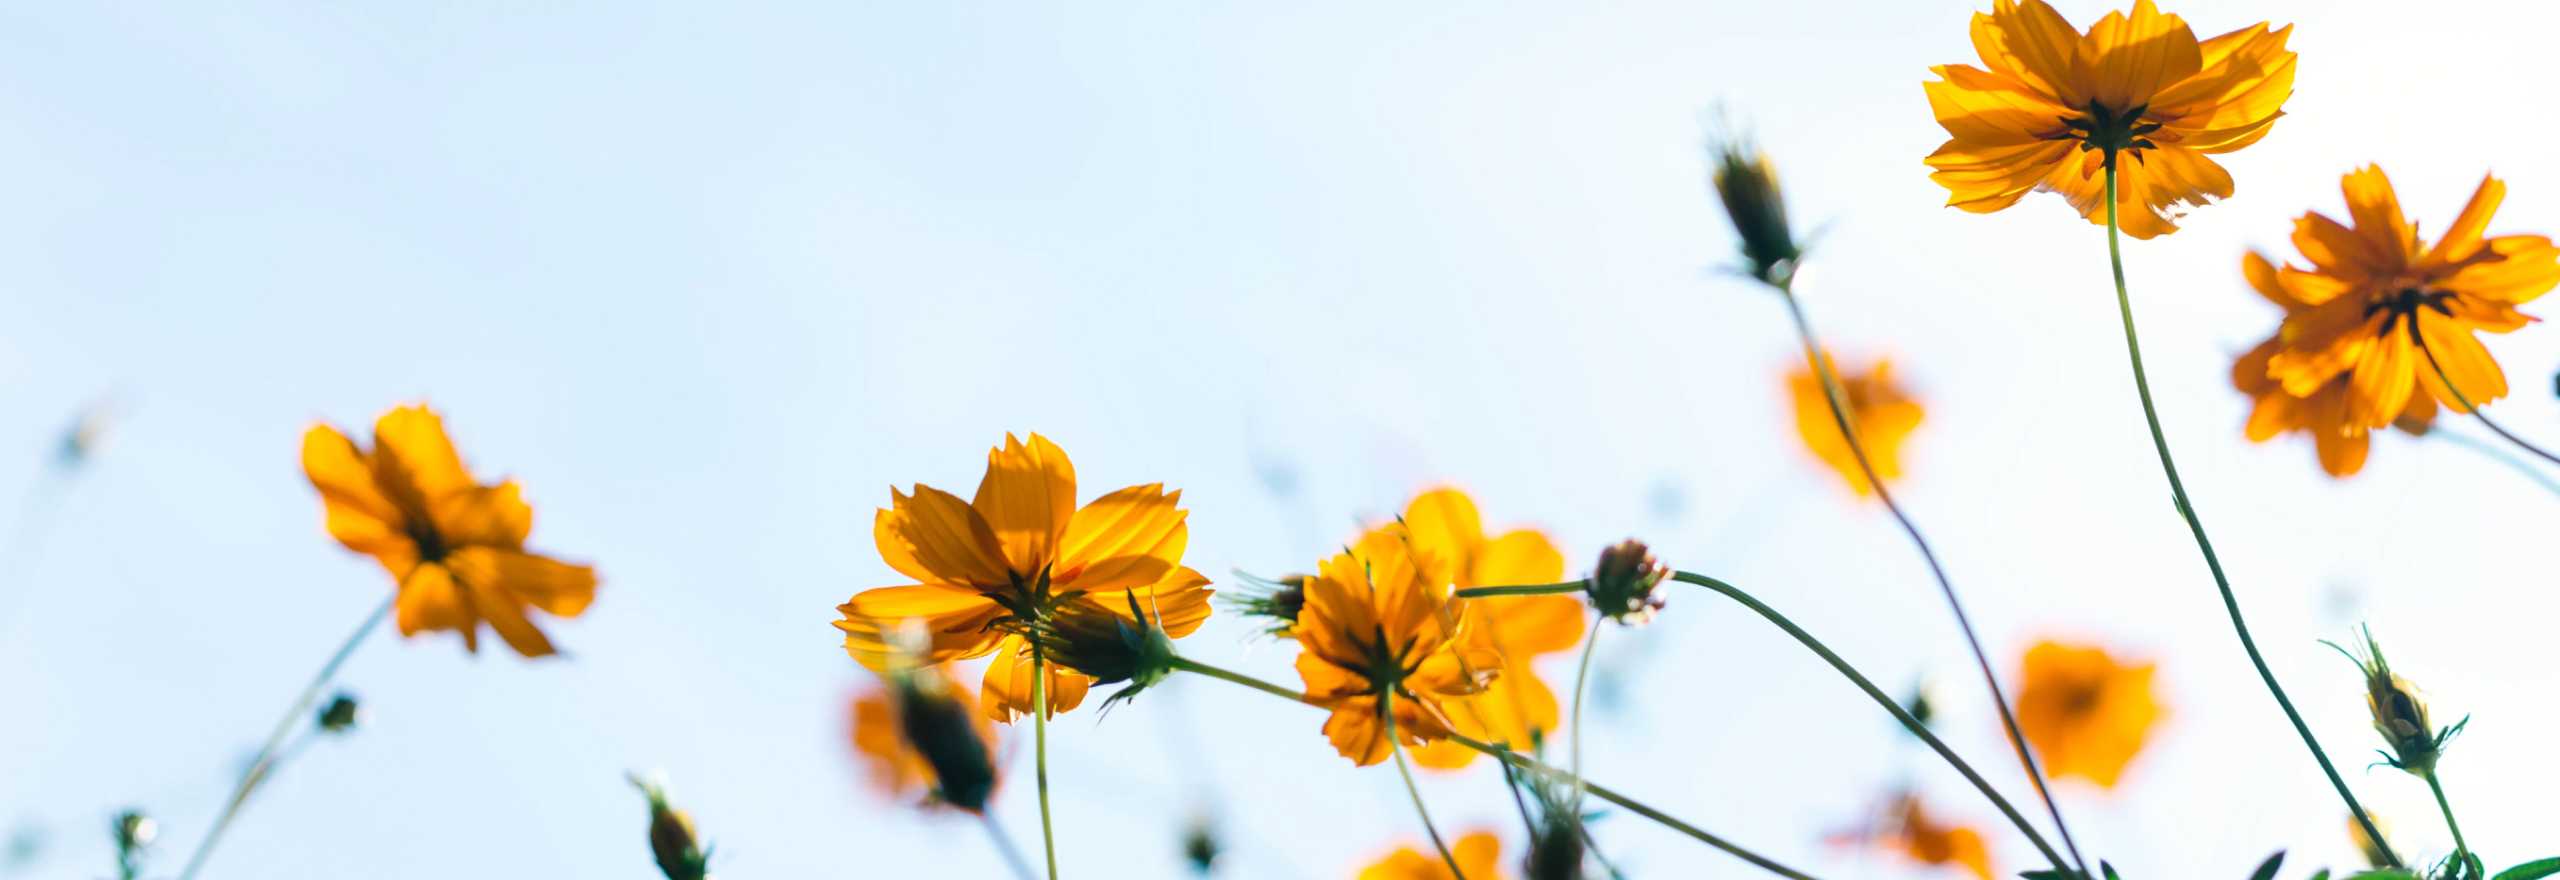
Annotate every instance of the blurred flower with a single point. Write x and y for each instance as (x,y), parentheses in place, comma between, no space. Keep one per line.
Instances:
(1748,186)
(340,715)
(1624,583)
(1479,855)
(992,569)
(1200,847)
(85,435)
(2373,297)
(2340,442)
(2055,102)
(1377,632)
(2373,853)
(1448,543)
(454,547)
(2086,713)
(2399,714)
(1881,411)
(1909,830)
(679,852)
(917,734)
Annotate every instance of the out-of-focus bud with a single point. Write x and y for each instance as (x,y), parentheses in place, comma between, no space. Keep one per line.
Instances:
(1109,647)
(1922,706)
(341,715)
(1556,851)
(680,853)
(1273,603)
(86,433)
(1624,583)
(2373,852)
(2399,714)
(133,834)
(1200,847)
(1748,187)
(948,733)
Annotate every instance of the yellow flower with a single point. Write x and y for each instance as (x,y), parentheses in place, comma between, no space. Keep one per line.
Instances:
(1378,631)
(1449,540)
(913,718)
(1479,854)
(2086,714)
(2356,318)
(990,569)
(2341,443)
(1879,408)
(454,547)
(2055,102)
(1908,830)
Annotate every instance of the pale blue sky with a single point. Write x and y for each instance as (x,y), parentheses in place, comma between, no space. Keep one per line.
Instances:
(709,282)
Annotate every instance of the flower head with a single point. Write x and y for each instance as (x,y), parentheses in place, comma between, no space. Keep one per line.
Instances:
(2052,105)
(1748,186)
(454,546)
(672,841)
(2399,713)
(1623,586)
(2377,311)
(1112,648)
(2086,713)
(1378,634)
(1908,829)
(1880,410)
(1479,855)
(992,570)
(918,734)
(1446,537)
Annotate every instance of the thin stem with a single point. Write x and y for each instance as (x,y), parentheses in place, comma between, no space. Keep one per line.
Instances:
(2461,849)
(1910,723)
(2500,455)
(1839,403)
(2466,401)
(266,760)
(1004,847)
(1526,589)
(2195,525)
(1040,753)
(1581,677)
(1521,761)
(1395,747)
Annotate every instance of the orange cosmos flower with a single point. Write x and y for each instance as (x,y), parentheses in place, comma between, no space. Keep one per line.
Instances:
(990,569)
(454,547)
(1379,631)
(2341,443)
(1880,409)
(2376,302)
(2055,104)
(1907,829)
(1448,542)
(1479,854)
(901,727)
(2086,713)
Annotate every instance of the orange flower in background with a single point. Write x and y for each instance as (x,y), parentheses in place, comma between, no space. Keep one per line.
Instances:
(1448,542)
(1919,836)
(1378,631)
(2342,443)
(2086,713)
(991,568)
(1882,412)
(454,547)
(1479,855)
(2054,102)
(889,717)
(2376,302)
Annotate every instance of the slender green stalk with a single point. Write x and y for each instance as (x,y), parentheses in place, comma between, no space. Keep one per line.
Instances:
(1395,747)
(1917,728)
(1528,589)
(1523,762)
(1839,403)
(1581,677)
(2461,848)
(2501,456)
(2195,525)
(1004,847)
(2466,401)
(1040,753)
(266,760)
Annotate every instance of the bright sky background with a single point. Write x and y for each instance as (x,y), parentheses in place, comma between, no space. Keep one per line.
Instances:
(710,283)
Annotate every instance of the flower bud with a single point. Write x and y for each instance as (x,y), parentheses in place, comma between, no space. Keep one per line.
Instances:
(1275,603)
(1111,648)
(680,854)
(133,833)
(341,715)
(2399,714)
(1556,850)
(1749,188)
(1200,847)
(948,734)
(1623,584)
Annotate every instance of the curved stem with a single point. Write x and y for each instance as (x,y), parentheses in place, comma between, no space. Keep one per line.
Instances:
(266,761)
(2195,525)
(1040,753)
(1831,392)
(1004,847)
(1910,723)
(2501,456)
(1523,762)
(2461,849)
(1395,747)
(2466,401)
(1581,677)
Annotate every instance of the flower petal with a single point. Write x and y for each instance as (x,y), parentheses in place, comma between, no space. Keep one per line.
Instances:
(558,588)
(1445,533)
(2376,210)
(1026,498)
(410,449)
(430,600)
(955,621)
(1179,602)
(1007,690)
(2463,238)
(935,537)
(1122,541)
(2474,373)
(1522,556)
(2129,58)
(485,516)
(359,515)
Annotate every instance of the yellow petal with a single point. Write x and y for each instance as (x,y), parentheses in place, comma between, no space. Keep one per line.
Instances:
(1522,556)
(2463,238)
(955,621)
(2474,373)
(410,448)
(2382,380)
(430,600)
(2129,59)
(1007,690)
(558,588)
(1026,498)
(1123,541)
(488,516)
(1178,603)
(2032,43)
(505,614)
(2525,268)
(2376,210)
(935,537)
(359,515)
(1445,533)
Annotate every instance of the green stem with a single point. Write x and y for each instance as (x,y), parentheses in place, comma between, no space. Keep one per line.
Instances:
(2458,397)
(1523,762)
(1900,714)
(1004,847)
(1839,403)
(266,760)
(1040,753)
(1395,747)
(1526,589)
(2461,849)
(1581,677)
(2501,456)
(2195,525)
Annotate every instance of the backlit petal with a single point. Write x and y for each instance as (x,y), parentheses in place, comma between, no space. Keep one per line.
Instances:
(1007,694)
(954,621)
(1123,541)
(935,537)
(1026,498)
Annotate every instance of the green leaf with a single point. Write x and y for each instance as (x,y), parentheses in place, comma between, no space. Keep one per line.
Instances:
(2267,869)
(2107,869)
(2533,870)
(2323,875)
(2048,875)
(2385,874)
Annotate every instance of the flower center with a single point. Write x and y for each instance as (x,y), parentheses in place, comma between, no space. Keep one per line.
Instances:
(2405,304)
(2106,130)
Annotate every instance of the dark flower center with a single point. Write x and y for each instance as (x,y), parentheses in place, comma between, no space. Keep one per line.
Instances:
(2111,132)
(2405,304)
